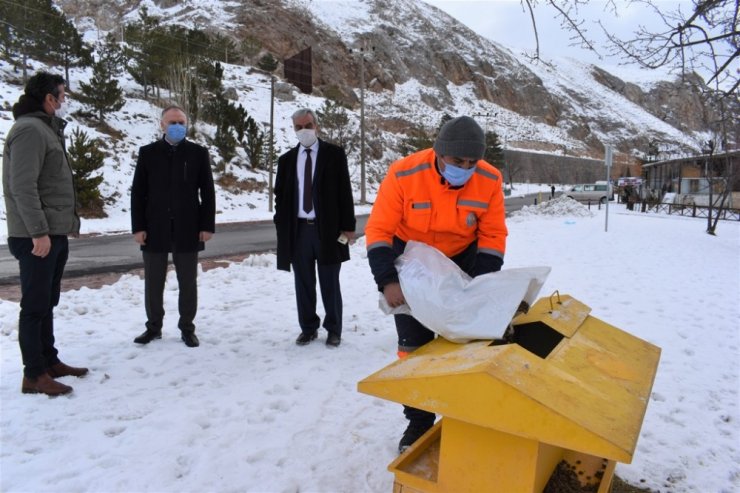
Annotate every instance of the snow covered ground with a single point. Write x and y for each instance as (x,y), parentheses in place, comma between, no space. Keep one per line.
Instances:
(249,411)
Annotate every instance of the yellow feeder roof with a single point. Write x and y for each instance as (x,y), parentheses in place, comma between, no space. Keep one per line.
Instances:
(588,394)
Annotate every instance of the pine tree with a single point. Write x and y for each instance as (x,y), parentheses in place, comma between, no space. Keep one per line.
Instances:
(249,136)
(86,157)
(417,139)
(224,139)
(69,49)
(149,52)
(254,144)
(268,63)
(205,87)
(102,93)
(445,118)
(112,55)
(494,152)
(18,39)
(335,126)
(37,29)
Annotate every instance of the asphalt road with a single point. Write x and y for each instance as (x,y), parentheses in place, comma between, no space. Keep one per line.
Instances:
(119,253)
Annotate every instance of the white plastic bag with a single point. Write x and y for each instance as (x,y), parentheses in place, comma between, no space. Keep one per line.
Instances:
(449,302)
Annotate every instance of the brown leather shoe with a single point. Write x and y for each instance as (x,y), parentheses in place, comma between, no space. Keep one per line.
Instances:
(44,384)
(62,370)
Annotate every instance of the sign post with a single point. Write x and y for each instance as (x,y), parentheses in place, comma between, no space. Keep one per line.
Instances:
(608,161)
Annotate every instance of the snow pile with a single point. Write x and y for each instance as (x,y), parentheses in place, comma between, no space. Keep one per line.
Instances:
(560,207)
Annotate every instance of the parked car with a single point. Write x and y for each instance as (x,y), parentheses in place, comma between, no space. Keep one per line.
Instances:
(594,192)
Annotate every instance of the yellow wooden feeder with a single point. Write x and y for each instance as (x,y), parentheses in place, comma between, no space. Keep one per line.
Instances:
(566,400)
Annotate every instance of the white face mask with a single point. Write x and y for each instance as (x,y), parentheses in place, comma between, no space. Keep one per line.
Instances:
(306,136)
(62,111)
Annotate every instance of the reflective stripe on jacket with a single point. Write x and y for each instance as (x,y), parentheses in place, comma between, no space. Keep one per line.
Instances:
(415,203)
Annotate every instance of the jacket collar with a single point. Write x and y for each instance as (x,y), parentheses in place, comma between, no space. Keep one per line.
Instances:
(163,144)
(57,124)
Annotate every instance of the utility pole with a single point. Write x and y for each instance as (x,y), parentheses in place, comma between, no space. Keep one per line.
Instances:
(272,138)
(362,129)
(608,161)
(363,180)
(486,116)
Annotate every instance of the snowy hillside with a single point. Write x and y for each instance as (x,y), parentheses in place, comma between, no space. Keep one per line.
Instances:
(249,411)
(572,91)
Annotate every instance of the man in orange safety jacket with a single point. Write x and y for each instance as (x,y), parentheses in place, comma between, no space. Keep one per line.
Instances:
(446,197)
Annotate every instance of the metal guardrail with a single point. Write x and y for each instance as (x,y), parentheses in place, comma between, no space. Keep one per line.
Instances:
(692,210)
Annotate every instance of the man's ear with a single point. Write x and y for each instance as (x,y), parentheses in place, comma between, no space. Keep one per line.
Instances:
(49,102)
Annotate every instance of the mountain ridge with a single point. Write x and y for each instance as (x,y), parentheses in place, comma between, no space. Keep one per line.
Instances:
(575,108)
(415,40)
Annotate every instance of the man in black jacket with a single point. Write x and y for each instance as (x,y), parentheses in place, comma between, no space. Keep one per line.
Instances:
(173,209)
(315,220)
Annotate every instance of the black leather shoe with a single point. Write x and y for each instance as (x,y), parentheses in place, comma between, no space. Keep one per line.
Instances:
(190,339)
(148,336)
(333,340)
(305,338)
(414,431)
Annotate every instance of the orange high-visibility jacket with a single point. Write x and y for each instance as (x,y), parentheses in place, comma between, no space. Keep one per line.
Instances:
(415,203)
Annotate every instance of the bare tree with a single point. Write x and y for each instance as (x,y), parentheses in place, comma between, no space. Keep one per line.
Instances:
(703,38)
(721,174)
(180,83)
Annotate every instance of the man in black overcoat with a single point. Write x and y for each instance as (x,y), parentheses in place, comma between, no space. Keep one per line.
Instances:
(173,209)
(315,221)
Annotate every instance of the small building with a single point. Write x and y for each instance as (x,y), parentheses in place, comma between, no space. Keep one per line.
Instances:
(690,177)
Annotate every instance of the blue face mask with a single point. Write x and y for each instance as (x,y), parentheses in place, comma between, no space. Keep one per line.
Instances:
(457,176)
(175,132)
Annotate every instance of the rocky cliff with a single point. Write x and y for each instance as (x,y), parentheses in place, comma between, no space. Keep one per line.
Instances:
(407,43)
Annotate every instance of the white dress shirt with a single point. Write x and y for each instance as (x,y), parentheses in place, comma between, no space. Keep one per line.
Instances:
(301,164)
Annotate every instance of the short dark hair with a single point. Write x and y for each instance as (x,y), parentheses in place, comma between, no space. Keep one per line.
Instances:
(43,83)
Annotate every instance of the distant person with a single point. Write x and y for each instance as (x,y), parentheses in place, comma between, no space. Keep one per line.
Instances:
(447,197)
(173,209)
(41,213)
(315,220)
(552,191)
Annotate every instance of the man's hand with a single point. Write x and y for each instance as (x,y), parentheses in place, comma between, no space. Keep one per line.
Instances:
(205,236)
(393,294)
(140,237)
(41,246)
(350,237)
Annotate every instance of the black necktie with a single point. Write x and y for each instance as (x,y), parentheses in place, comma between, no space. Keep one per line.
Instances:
(307,172)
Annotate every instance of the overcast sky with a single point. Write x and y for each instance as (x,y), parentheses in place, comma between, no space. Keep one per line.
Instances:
(506,22)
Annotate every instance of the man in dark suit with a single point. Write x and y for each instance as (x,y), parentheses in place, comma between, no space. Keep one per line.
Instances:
(315,221)
(173,209)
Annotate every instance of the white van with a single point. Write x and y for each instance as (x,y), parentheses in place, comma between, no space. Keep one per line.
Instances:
(594,192)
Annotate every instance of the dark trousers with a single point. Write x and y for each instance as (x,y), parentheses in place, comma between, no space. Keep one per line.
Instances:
(155,274)
(304,264)
(41,280)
